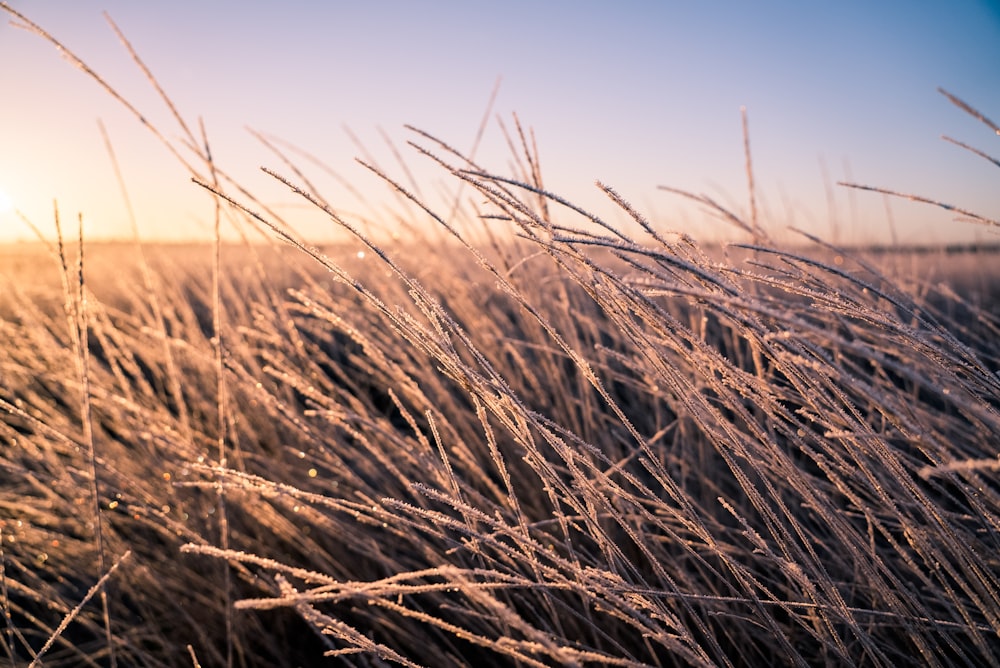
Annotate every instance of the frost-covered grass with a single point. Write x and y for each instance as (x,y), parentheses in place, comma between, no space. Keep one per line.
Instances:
(559,456)
(529,438)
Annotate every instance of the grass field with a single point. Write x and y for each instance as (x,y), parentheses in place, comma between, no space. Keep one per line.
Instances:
(518,436)
(571,450)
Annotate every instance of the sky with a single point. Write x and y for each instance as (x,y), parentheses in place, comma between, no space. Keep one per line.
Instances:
(633,94)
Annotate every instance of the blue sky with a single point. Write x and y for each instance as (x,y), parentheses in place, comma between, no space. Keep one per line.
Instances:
(633,94)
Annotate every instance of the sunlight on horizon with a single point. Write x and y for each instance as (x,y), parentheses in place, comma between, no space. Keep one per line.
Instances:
(677,75)
(6,203)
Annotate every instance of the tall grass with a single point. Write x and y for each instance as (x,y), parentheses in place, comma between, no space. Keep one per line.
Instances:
(533,439)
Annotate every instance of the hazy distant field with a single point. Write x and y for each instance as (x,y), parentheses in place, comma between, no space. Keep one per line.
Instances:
(972,269)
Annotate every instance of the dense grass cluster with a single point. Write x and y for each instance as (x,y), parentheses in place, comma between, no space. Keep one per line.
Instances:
(575,449)
(530,438)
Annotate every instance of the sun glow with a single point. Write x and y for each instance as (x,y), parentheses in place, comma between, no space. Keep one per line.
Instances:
(6,204)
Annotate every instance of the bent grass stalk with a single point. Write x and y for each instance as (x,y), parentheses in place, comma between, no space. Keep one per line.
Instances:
(99,586)
(969,215)
(222,399)
(75,295)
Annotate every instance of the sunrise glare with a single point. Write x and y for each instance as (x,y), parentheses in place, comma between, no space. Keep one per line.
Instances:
(636,95)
